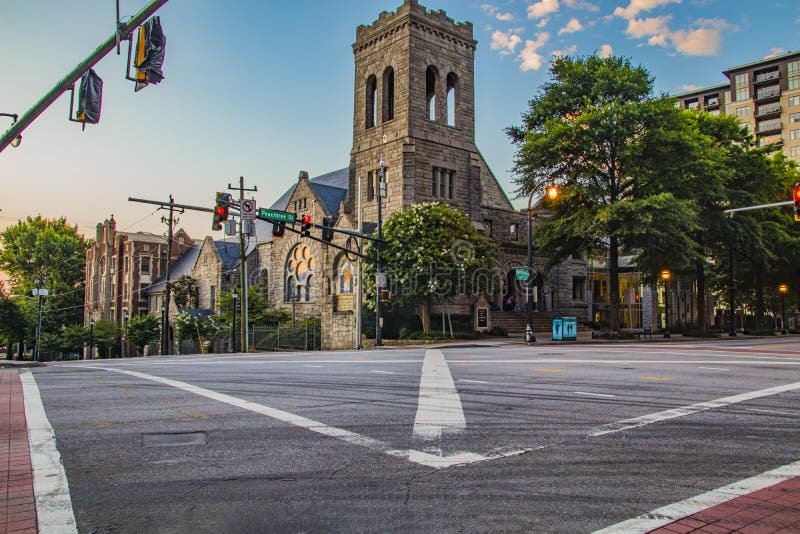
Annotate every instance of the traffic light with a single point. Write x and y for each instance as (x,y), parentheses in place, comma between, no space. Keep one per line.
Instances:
(221,210)
(150,50)
(305,230)
(796,198)
(386,295)
(90,98)
(327,229)
(278,229)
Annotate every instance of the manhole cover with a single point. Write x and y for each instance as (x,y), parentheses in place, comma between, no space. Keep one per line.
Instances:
(173,439)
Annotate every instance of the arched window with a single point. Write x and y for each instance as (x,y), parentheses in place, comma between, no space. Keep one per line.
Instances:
(371,110)
(452,95)
(388,94)
(431,77)
(345,274)
(300,267)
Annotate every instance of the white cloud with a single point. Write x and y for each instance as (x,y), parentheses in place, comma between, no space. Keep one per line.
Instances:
(698,42)
(494,11)
(574,25)
(690,87)
(655,28)
(775,52)
(704,38)
(606,51)
(566,52)
(542,8)
(531,59)
(505,42)
(505,17)
(637,6)
(580,4)
(490,9)
(542,23)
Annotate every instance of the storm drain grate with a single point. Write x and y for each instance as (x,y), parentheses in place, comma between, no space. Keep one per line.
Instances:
(173,439)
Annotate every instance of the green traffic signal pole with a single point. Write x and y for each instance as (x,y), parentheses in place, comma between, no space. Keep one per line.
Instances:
(124,33)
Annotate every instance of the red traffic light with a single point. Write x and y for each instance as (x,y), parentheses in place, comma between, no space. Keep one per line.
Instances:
(306,219)
(797,193)
(220,210)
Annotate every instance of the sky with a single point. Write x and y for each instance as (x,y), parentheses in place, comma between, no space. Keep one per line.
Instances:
(264,89)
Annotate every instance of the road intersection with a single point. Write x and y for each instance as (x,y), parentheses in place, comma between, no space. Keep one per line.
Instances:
(554,438)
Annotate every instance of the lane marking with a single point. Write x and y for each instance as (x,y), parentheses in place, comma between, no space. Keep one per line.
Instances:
(795,414)
(676,511)
(316,366)
(715,368)
(383,372)
(594,394)
(474,381)
(656,378)
(53,504)
(439,407)
(666,415)
(411,455)
(547,370)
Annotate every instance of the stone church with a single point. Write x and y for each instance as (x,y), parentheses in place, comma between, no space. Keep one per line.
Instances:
(414,110)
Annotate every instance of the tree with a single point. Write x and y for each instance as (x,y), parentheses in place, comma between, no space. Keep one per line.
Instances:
(258,308)
(431,253)
(184,292)
(106,337)
(193,326)
(12,324)
(141,330)
(74,338)
(47,253)
(598,131)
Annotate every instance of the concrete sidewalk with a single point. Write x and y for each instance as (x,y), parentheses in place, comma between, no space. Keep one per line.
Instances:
(17,502)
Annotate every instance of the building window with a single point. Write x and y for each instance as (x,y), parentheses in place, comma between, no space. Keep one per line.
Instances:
(577,287)
(772,124)
(794,101)
(371,109)
(388,94)
(794,117)
(431,77)
(514,232)
(714,112)
(300,267)
(794,151)
(442,183)
(452,98)
(693,105)
(344,277)
(743,111)
(488,225)
(742,85)
(212,298)
(142,290)
(127,264)
(794,75)
(794,134)
(144,267)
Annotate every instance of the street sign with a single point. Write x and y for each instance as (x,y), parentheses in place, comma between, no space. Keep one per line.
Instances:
(522,275)
(276,215)
(40,292)
(248,209)
(380,280)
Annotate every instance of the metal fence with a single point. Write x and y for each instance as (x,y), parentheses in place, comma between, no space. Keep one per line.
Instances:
(287,336)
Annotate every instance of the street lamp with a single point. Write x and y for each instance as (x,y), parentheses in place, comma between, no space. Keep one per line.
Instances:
(164,335)
(666,275)
(124,320)
(235,296)
(18,139)
(552,193)
(783,288)
(91,338)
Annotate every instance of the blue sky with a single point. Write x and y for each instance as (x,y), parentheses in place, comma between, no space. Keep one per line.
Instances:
(263,89)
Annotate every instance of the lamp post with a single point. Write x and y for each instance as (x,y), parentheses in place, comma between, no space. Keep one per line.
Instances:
(18,139)
(783,288)
(666,275)
(235,296)
(530,336)
(124,321)
(91,338)
(164,334)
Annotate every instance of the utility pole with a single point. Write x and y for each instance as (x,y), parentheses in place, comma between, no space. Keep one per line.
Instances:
(243,264)
(41,293)
(123,33)
(380,278)
(359,270)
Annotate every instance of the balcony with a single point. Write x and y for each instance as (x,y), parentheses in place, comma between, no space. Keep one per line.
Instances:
(765,95)
(769,111)
(769,127)
(712,103)
(767,77)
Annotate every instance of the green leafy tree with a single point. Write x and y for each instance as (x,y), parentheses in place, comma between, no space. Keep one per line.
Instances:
(184,292)
(191,326)
(74,338)
(50,253)
(599,132)
(431,253)
(259,311)
(141,330)
(12,324)
(106,337)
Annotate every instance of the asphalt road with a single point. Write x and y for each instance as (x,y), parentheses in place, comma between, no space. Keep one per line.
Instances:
(556,438)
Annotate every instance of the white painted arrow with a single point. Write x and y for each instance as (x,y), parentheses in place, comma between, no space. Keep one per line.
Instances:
(439,409)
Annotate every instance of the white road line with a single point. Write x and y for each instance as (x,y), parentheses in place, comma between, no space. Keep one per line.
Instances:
(312,366)
(673,512)
(53,504)
(418,457)
(649,419)
(474,381)
(796,414)
(769,360)
(715,368)
(383,372)
(594,394)
(439,407)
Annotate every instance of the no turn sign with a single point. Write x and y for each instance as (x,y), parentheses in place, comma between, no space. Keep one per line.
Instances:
(248,210)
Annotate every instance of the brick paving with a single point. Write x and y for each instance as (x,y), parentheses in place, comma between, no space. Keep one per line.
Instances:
(775,509)
(17,502)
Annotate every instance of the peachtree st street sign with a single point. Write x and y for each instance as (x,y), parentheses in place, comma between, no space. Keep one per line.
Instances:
(276,215)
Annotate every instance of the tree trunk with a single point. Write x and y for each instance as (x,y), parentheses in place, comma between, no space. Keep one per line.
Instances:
(702,320)
(759,301)
(9,350)
(613,284)
(425,314)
